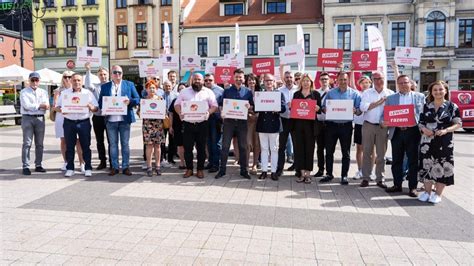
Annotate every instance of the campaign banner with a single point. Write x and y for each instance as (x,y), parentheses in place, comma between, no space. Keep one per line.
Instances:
(74,104)
(263,66)
(408,56)
(303,109)
(114,105)
(339,109)
(224,75)
(191,62)
(377,43)
(169,61)
(399,115)
(194,111)
(267,101)
(291,54)
(234,60)
(149,67)
(235,109)
(328,57)
(364,60)
(152,109)
(92,55)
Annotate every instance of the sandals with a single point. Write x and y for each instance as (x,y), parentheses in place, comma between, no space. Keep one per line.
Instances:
(149,172)
(158,170)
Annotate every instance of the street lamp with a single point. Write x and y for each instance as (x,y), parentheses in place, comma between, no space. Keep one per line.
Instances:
(180,34)
(36,5)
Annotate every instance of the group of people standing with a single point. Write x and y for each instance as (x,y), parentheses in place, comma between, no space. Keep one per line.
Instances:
(422,152)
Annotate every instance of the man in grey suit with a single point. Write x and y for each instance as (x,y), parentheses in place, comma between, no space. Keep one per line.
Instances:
(405,139)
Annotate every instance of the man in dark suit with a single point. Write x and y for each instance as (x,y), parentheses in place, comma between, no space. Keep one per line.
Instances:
(118,126)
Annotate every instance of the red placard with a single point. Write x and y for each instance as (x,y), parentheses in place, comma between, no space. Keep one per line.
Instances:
(364,60)
(328,57)
(224,75)
(263,66)
(303,109)
(399,115)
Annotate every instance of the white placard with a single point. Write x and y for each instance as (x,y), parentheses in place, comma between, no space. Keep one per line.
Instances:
(114,105)
(169,61)
(149,67)
(408,56)
(235,109)
(277,72)
(211,65)
(234,60)
(191,62)
(152,109)
(194,111)
(291,54)
(267,101)
(85,54)
(339,109)
(74,104)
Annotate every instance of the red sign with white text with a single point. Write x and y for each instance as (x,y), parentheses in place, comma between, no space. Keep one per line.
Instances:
(224,75)
(364,60)
(399,115)
(328,57)
(263,66)
(303,109)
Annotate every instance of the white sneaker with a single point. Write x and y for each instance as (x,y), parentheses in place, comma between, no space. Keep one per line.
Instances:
(165,164)
(358,175)
(69,173)
(83,168)
(88,173)
(144,166)
(424,196)
(63,168)
(434,198)
(372,177)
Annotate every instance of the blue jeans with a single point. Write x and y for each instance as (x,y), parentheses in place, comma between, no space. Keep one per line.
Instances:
(289,147)
(115,130)
(214,143)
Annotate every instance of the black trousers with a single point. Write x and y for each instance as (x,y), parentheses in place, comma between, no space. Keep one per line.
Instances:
(195,135)
(343,133)
(405,141)
(282,140)
(238,128)
(321,142)
(74,129)
(303,136)
(172,149)
(98,122)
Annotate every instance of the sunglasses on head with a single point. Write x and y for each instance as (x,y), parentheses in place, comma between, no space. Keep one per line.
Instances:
(66,77)
(116,72)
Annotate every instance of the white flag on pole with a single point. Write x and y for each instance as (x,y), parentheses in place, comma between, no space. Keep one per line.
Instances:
(300,41)
(166,39)
(376,43)
(237,39)
(187,10)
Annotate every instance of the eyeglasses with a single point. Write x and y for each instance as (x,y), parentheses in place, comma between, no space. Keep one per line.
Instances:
(297,78)
(66,77)
(116,72)
(34,80)
(208,80)
(324,79)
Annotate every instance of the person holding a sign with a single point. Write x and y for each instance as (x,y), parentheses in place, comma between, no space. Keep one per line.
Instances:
(77,122)
(236,126)
(118,126)
(340,105)
(405,137)
(253,83)
(195,130)
(440,118)
(268,128)
(304,131)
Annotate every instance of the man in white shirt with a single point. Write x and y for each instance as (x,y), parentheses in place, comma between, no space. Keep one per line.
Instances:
(34,103)
(77,124)
(373,134)
(321,124)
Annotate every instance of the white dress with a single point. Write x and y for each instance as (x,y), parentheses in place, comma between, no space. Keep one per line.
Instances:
(59,121)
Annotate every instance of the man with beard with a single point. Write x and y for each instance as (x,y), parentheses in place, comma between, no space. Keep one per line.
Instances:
(196,131)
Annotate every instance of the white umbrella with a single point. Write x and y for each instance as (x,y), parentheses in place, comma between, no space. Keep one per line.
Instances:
(49,76)
(14,73)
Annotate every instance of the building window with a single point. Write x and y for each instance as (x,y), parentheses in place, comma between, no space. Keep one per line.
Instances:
(70,3)
(307,43)
(121,3)
(435,29)
(143,2)
(202,46)
(122,38)
(224,45)
(166,2)
(70,35)
(344,1)
(465,33)
(466,80)
(398,34)
(344,37)
(2,57)
(91,34)
(49,3)
(141,35)
(278,40)
(252,45)
(90,2)
(51,36)
(233,9)
(276,7)
(366,34)
(1,39)
(170,27)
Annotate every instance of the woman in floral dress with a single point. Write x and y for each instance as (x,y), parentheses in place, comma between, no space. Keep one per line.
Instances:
(440,118)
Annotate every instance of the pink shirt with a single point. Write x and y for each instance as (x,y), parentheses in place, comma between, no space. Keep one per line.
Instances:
(204,94)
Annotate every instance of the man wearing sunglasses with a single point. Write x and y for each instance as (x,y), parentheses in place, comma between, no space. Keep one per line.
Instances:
(324,81)
(214,143)
(34,103)
(118,126)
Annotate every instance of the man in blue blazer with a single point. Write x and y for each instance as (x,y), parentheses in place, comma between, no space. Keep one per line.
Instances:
(119,125)
(405,139)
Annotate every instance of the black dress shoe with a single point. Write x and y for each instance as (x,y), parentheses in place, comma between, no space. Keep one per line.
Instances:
(102,165)
(393,189)
(344,180)
(413,193)
(245,175)
(40,169)
(274,177)
(219,175)
(263,175)
(364,183)
(127,172)
(291,168)
(298,173)
(209,166)
(319,174)
(213,169)
(279,172)
(26,171)
(381,184)
(326,179)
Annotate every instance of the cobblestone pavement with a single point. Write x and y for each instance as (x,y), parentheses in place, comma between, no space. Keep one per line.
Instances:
(50,219)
